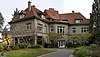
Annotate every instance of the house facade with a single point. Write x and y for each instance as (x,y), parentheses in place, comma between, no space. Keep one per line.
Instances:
(33,25)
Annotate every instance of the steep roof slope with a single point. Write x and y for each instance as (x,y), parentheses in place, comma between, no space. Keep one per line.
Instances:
(51,13)
(33,12)
(71,17)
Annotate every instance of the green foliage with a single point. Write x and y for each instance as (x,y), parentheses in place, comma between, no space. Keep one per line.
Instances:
(95,22)
(16,12)
(81,52)
(1,47)
(15,47)
(94,50)
(85,36)
(73,43)
(55,36)
(23,45)
(37,46)
(79,40)
(1,22)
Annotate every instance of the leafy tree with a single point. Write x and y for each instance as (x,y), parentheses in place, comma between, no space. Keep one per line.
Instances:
(16,12)
(82,38)
(1,22)
(85,36)
(54,37)
(6,37)
(95,21)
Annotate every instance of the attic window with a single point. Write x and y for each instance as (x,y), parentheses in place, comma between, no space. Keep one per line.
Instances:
(22,16)
(42,16)
(78,21)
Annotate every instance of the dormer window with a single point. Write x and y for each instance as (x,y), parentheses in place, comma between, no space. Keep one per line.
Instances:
(22,16)
(43,17)
(78,21)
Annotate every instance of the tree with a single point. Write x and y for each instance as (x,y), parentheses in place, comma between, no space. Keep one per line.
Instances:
(54,37)
(95,21)
(1,22)
(6,37)
(16,12)
(82,39)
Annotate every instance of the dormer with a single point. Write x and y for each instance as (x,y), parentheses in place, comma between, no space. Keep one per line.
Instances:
(42,16)
(78,21)
(21,16)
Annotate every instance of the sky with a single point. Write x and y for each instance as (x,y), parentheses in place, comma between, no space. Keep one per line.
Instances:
(7,7)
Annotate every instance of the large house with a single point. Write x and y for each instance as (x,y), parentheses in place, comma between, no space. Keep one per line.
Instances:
(33,24)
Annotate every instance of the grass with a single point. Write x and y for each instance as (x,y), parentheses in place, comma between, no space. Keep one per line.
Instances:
(28,52)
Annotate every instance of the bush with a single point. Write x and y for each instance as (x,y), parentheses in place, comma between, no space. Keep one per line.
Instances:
(1,47)
(15,47)
(73,43)
(23,45)
(37,46)
(94,50)
(81,52)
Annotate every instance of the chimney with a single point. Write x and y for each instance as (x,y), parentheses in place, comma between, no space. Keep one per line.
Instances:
(51,8)
(73,12)
(29,5)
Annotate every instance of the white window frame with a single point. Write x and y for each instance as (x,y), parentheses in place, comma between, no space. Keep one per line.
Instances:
(22,16)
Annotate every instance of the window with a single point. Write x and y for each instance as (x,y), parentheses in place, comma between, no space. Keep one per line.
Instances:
(60,29)
(28,25)
(46,29)
(84,29)
(74,30)
(42,16)
(51,20)
(39,27)
(78,21)
(51,29)
(22,16)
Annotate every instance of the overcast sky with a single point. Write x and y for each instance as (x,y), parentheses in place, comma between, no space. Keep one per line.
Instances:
(7,7)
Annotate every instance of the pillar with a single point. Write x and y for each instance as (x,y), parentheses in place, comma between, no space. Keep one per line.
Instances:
(35,40)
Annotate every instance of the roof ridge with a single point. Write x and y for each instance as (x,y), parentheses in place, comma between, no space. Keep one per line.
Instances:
(70,13)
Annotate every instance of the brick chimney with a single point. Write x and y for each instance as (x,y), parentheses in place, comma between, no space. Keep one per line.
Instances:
(73,12)
(29,5)
(51,8)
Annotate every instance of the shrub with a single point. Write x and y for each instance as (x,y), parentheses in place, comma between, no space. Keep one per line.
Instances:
(15,47)
(1,47)
(23,45)
(37,46)
(81,52)
(72,43)
(94,50)
(93,46)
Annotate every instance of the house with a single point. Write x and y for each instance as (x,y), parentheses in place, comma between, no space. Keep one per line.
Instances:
(32,25)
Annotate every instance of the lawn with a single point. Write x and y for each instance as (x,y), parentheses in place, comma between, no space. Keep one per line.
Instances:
(28,52)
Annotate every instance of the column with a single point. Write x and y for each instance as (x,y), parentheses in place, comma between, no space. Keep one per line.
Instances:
(35,40)
(58,43)
(13,40)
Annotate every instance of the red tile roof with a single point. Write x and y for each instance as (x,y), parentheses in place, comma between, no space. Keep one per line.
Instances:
(51,13)
(71,17)
(33,13)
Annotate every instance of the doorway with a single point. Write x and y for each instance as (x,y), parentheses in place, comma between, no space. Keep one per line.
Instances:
(39,40)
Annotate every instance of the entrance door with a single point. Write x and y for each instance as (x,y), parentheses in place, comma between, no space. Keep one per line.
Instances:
(39,40)
(61,44)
